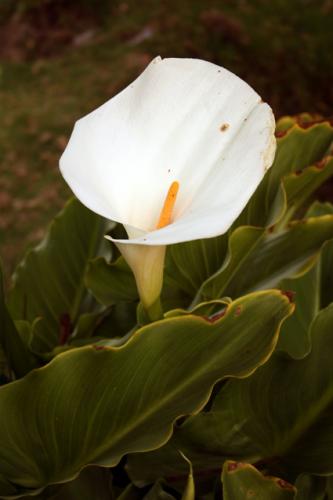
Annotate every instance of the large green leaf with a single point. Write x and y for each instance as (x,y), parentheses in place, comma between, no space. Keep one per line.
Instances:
(242,481)
(286,406)
(49,283)
(92,483)
(272,258)
(18,356)
(95,404)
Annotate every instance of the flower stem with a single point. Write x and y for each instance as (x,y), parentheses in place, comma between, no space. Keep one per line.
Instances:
(155,312)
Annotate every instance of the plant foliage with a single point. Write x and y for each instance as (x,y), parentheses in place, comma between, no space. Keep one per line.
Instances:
(229,395)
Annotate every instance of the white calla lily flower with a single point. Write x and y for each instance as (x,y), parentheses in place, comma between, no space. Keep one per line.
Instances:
(174,157)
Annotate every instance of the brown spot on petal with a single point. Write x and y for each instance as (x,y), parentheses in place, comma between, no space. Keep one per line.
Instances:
(224,127)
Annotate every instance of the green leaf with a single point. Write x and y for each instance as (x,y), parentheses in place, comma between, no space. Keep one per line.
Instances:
(325,290)
(298,146)
(310,488)
(242,481)
(207,439)
(93,483)
(19,357)
(157,492)
(300,185)
(111,283)
(94,405)
(166,461)
(243,242)
(286,406)
(189,491)
(130,493)
(6,488)
(189,264)
(326,274)
(295,332)
(49,283)
(319,208)
(272,258)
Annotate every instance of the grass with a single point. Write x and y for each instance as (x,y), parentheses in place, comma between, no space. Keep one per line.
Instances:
(50,77)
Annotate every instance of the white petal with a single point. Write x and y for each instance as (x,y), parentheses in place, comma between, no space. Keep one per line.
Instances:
(182,119)
(217,204)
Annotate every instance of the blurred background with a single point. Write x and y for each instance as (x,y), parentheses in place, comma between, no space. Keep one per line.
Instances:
(60,59)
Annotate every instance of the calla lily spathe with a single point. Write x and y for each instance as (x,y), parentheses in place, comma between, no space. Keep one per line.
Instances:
(183,122)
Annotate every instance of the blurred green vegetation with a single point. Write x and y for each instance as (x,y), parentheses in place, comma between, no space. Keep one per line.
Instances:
(60,59)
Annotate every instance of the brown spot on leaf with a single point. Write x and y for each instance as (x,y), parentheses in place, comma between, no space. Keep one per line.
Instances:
(238,310)
(310,121)
(235,465)
(215,317)
(289,294)
(99,347)
(322,163)
(66,328)
(284,484)
(280,133)
(224,127)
